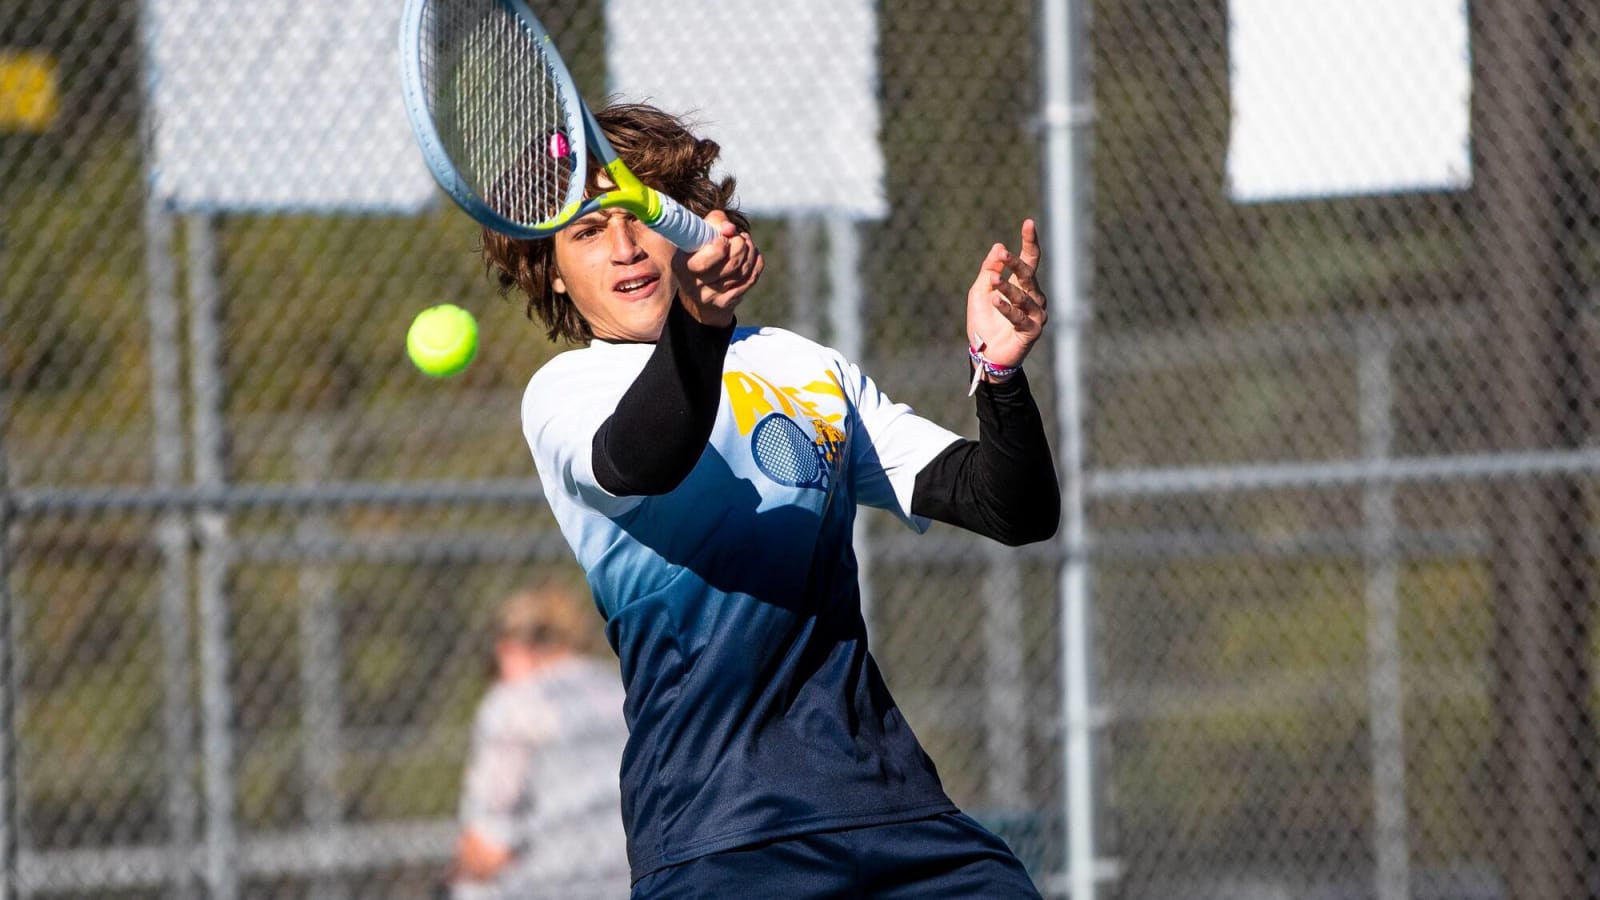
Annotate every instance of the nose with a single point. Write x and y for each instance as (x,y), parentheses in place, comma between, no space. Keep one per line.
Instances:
(625,246)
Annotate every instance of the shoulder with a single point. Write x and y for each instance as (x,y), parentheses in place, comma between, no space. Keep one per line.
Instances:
(767,342)
(567,365)
(559,369)
(771,336)
(578,379)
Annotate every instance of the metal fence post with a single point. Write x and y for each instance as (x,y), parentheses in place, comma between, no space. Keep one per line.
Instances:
(168,453)
(216,705)
(1065,120)
(172,539)
(321,703)
(1385,684)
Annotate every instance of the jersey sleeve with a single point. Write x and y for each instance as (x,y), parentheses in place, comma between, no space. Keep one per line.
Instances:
(565,404)
(891,446)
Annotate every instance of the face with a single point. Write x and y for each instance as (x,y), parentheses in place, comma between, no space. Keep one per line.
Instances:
(618,274)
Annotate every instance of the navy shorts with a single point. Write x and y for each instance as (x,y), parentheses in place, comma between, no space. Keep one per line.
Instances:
(948,855)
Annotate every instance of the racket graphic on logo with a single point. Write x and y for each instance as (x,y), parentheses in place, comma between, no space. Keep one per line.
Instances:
(785,453)
(503,128)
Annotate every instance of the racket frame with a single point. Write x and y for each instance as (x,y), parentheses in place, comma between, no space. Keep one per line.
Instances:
(685,229)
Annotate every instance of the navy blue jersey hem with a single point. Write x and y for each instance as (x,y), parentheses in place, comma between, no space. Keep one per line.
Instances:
(735,840)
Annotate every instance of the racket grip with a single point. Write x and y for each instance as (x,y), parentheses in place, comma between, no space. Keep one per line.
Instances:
(682,227)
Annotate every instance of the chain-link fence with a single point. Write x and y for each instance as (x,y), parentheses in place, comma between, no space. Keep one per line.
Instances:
(1334,560)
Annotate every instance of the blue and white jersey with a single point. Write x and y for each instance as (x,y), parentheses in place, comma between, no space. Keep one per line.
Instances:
(754,709)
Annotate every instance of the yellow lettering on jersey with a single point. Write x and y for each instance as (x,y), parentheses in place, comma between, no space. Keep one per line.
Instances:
(831,387)
(752,397)
(748,400)
(783,399)
(808,407)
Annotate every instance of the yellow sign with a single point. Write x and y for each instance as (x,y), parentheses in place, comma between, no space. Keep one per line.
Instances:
(30,96)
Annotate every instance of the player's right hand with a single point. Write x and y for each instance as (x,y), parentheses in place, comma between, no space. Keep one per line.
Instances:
(714,279)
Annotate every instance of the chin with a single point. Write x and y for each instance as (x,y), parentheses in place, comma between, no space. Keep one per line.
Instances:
(649,328)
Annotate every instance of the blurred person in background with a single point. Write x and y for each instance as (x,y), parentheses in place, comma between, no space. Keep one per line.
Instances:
(540,809)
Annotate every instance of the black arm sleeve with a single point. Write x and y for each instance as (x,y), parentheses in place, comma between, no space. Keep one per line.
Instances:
(1003,485)
(653,439)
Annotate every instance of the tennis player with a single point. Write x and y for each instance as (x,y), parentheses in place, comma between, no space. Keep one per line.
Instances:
(765,757)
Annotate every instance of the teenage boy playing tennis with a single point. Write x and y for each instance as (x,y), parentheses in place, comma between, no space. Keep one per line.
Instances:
(765,757)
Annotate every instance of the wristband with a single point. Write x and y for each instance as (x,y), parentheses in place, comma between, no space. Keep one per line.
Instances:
(982,367)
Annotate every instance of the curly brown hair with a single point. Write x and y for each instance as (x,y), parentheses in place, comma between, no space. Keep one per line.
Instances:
(659,148)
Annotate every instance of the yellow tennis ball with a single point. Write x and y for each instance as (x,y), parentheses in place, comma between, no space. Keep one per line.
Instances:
(442,340)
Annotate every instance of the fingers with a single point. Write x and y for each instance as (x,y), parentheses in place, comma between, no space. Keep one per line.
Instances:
(758,264)
(1021,308)
(1024,266)
(1030,245)
(992,269)
(727,252)
(726,267)
(724,226)
(996,260)
(743,258)
(1021,267)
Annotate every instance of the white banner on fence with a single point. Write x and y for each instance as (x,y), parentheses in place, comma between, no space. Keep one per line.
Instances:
(789,89)
(1337,97)
(280,105)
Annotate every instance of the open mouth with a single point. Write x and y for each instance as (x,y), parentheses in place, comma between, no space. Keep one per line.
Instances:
(636,285)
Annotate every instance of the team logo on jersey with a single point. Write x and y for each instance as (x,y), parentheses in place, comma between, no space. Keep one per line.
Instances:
(792,454)
(796,433)
(752,397)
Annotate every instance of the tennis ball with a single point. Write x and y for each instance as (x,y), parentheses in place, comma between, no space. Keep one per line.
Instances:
(442,340)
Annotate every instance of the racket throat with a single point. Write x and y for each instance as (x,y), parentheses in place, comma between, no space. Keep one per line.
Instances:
(630,194)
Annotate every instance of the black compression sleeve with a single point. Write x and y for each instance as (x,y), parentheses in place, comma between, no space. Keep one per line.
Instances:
(653,439)
(1003,485)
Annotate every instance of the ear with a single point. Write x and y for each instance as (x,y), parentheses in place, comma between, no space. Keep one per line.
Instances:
(557,283)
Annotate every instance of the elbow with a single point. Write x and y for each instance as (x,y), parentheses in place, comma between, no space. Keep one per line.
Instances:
(1040,522)
(664,480)
(645,481)
(1038,535)
(641,469)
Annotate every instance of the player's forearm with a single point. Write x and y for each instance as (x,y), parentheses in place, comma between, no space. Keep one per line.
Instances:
(662,423)
(1003,485)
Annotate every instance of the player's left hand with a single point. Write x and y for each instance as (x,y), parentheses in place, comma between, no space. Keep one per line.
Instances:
(1006,309)
(714,278)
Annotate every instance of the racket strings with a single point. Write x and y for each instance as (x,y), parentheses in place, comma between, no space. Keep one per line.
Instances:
(498,108)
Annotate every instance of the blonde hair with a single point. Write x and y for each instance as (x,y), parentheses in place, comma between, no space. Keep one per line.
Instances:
(549,615)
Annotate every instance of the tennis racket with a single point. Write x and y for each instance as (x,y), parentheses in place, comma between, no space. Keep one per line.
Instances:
(503,128)
(786,454)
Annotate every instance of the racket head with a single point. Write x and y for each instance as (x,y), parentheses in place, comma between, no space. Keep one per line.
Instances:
(496,113)
(785,453)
